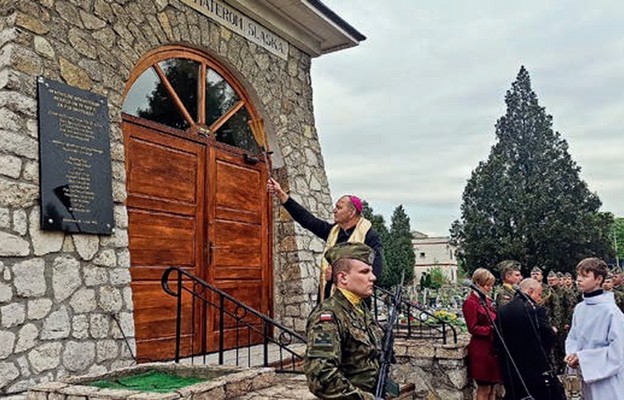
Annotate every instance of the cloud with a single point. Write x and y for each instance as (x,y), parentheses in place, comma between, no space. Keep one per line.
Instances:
(405,117)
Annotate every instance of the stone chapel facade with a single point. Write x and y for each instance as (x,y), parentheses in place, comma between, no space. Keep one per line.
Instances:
(73,303)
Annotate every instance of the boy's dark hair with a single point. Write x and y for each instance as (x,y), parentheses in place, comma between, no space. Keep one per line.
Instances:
(594,265)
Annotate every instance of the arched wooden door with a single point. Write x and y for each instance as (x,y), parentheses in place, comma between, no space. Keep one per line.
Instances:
(196,182)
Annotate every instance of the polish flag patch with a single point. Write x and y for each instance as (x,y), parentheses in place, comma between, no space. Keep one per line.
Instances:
(326,317)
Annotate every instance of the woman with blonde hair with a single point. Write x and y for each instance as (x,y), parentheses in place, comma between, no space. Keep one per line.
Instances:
(482,362)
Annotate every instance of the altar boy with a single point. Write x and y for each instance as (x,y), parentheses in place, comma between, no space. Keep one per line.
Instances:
(596,339)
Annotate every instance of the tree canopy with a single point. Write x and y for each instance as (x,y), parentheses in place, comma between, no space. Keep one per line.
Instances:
(398,251)
(618,237)
(527,201)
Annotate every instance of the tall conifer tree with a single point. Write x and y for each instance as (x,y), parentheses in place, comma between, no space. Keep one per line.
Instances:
(527,201)
(399,251)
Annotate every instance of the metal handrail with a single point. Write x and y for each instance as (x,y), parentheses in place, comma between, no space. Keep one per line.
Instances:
(201,290)
(422,330)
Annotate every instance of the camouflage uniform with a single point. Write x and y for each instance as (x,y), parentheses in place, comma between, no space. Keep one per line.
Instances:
(618,293)
(344,348)
(504,294)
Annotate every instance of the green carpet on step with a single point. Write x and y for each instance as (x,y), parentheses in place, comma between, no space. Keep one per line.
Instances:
(151,381)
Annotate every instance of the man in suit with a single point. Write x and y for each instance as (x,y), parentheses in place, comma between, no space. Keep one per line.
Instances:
(529,337)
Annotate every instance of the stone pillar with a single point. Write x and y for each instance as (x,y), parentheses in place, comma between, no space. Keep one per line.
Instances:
(438,371)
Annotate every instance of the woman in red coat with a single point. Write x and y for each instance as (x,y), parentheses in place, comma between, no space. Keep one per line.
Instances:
(482,362)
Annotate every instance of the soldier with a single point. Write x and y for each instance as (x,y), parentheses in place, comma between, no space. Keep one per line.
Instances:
(536,273)
(344,341)
(618,288)
(510,275)
(607,285)
(552,304)
(568,282)
(560,282)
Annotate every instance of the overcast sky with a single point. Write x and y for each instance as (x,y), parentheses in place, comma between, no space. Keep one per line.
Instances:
(407,115)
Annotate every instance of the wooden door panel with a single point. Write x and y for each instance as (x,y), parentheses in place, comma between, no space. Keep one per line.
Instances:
(161,239)
(239,237)
(184,198)
(154,329)
(165,183)
(163,171)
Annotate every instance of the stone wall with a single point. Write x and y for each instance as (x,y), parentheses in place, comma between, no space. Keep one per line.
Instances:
(439,372)
(63,296)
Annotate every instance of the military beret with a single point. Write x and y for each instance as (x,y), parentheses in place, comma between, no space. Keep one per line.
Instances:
(552,274)
(567,275)
(536,269)
(559,275)
(352,251)
(507,265)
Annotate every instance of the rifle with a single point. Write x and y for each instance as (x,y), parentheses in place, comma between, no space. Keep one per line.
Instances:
(385,385)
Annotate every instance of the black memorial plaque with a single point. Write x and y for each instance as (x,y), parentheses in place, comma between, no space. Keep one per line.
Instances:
(74,149)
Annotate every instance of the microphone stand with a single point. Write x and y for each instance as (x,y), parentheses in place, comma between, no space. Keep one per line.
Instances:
(502,341)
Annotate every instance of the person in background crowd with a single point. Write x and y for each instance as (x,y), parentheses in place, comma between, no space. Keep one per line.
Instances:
(349,226)
(552,279)
(529,336)
(607,285)
(552,303)
(342,358)
(568,281)
(483,364)
(596,339)
(618,288)
(560,279)
(510,275)
(567,297)
(537,274)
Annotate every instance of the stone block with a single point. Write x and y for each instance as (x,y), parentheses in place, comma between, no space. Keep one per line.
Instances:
(20,222)
(421,350)
(5,218)
(453,352)
(12,315)
(86,245)
(44,48)
(83,301)
(13,245)
(65,277)
(21,59)
(106,350)
(27,338)
(29,279)
(6,293)
(8,373)
(9,165)
(78,356)
(56,325)
(31,23)
(45,357)
(74,75)
(80,327)
(106,258)
(44,242)
(95,276)
(7,344)
(39,308)
(99,325)
(110,299)
(120,276)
